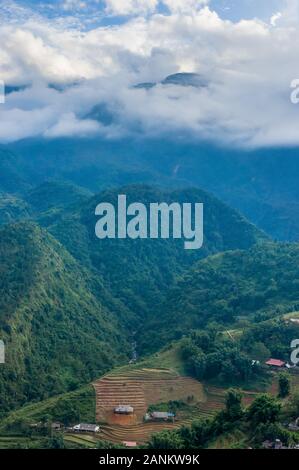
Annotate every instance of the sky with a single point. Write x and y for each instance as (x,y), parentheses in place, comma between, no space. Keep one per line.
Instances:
(229,9)
(71,56)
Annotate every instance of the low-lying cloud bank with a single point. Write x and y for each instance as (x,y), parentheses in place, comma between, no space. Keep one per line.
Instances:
(70,73)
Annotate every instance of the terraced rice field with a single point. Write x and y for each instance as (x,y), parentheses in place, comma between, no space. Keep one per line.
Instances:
(141,388)
(139,433)
(83,440)
(215,401)
(12,442)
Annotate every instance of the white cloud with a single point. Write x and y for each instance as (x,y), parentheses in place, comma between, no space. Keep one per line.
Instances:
(137,7)
(249,66)
(69,125)
(274,18)
(131,7)
(185,6)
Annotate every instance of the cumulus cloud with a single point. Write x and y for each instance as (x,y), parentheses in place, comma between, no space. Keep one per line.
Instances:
(185,6)
(69,125)
(248,66)
(128,7)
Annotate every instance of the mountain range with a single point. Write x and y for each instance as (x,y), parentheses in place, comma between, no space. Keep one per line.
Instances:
(261,184)
(73,307)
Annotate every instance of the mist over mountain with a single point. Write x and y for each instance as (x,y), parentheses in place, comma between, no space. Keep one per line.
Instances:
(189,109)
(178,79)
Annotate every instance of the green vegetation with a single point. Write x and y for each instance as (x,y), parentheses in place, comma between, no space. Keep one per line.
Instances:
(68,409)
(71,306)
(140,274)
(257,284)
(55,195)
(13,209)
(60,326)
(284,385)
(251,426)
(270,336)
(208,355)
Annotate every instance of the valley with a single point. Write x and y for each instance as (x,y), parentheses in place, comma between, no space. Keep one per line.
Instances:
(92,324)
(144,387)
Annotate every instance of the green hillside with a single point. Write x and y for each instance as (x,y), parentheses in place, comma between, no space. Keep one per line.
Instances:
(67,408)
(55,195)
(12,209)
(140,272)
(256,284)
(60,326)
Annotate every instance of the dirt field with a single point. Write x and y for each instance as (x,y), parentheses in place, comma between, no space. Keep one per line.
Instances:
(144,387)
(141,389)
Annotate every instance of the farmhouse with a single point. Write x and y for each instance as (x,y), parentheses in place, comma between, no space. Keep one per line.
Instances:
(124,410)
(85,427)
(277,444)
(56,426)
(275,363)
(130,444)
(159,416)
(294,426)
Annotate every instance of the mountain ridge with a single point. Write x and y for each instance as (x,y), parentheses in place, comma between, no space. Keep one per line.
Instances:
(59,324)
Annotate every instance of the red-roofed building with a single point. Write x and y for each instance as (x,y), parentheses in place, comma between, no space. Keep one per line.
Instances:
(275,363)
(130,444)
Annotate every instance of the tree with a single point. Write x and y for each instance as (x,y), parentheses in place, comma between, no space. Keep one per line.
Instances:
(201,432)
(199,364)
(56,442)
(294,404)
(264,409)
(233,402)
(284,386)
(259,351)
(166,440)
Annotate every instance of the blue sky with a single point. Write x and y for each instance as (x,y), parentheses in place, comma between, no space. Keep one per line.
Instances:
(227,9)
(237,9)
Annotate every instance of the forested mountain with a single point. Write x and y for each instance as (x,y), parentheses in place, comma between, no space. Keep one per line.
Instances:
(139,272)
(71,304)
(55,195)
(13,208)
(59,324)
(256,284)
(262,184)
(11,179)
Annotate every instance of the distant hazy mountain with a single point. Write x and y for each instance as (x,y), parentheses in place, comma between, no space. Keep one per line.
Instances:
(55,195)
(178,79)
(262,184)
(12,179)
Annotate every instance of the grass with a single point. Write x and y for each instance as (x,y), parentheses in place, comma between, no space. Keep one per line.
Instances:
(20,442)
(169,359)
(291,315)
(234,440)
(81,441)
(80,402)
